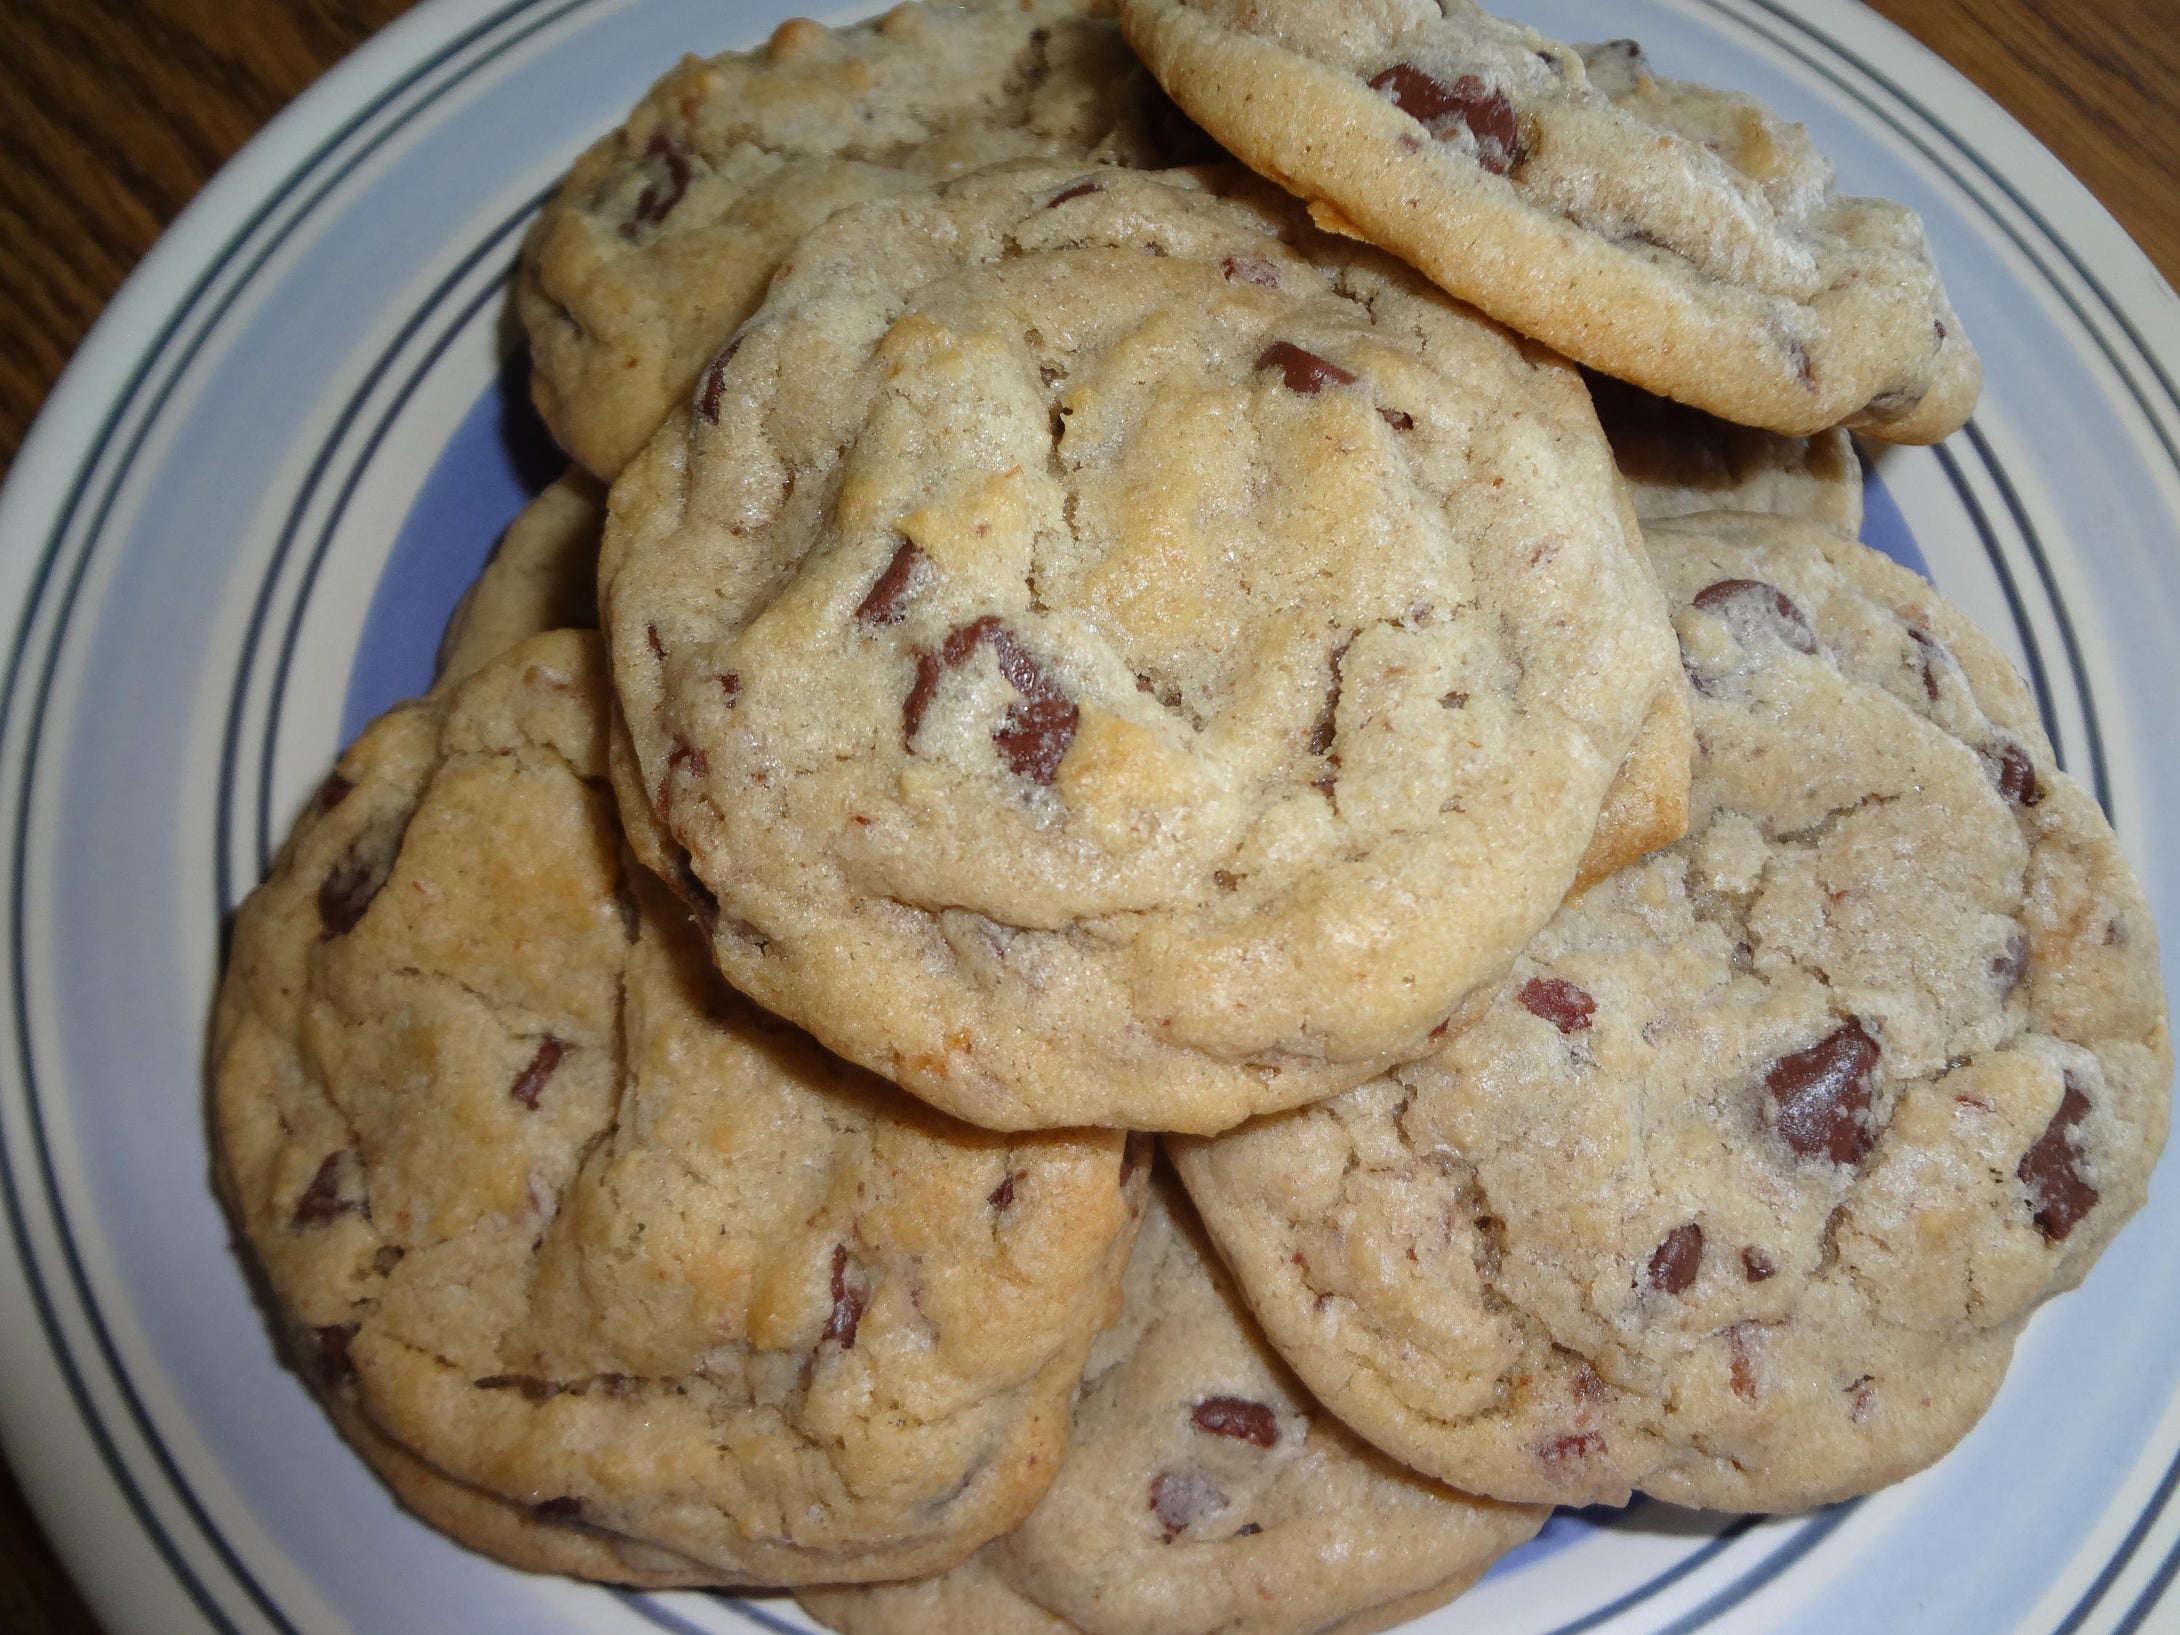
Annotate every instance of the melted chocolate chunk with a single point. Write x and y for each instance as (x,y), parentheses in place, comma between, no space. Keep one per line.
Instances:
(2012,772)
(888,598)
(355,879)
(321,1203)
(1033,736)
(1303,372)
(1468,103)
(1675,1262)
(1076,191)
(335,1365)
(1239,1418)
(847,1310)
(2051,1169)
(1260,270)
(2010,964)
(1756,1266)
(530,1082)
(715,381)
(1752,601)
(1558,1001)
(1181,1498)
(333,791)
(1824,1095)
(1002,1198)
(661,192)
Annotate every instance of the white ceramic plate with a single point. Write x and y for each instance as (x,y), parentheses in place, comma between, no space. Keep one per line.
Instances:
(236,531)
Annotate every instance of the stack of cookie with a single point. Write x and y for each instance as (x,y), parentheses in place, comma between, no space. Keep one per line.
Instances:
(1077,646)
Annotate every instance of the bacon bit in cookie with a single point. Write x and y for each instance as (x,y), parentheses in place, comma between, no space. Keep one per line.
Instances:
(1675,1262)
(1303,372)
(1078,190)
(1260,270)
(335,1365)
(847,1310)
(333,791)
(1574,1445)
(1398,419)
(2012,772)
(1181,1498)
(2010,964)
(1002,1198)
(888,597)
(1468,104)
(1239,1418)
(530,1082)
(532,1388)
(1740,599)
(715,381)
(1558,1001)
(1824,1095)
(565,1508)
(1757,1266)
(321,1203)
(2051,1169)
(660,194)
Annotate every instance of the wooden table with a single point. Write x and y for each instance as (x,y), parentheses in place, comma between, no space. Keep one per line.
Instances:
(114,112)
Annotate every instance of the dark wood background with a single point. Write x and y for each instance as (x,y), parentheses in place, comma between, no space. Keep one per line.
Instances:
(113,113)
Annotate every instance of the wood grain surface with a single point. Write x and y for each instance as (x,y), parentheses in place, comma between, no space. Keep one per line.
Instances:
(113,113)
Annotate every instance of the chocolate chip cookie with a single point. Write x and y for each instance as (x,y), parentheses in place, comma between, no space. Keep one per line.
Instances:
(664,235)
(1109,664)
(1679,237)
(577,1238)
(1204,1491)
(543,575)
(1771,1143)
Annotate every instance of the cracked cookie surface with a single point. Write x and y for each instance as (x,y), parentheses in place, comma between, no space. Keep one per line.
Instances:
(1111,664)
(1204,1493)
(577,1241)
(665,233)
(1744,1188)
(1679,237)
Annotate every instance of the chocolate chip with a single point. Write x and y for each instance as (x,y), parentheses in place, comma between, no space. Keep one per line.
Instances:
(1756,1266)
(530,1082)
(2051,1169)
(888,597)
(1468,103)
(1304,372)
(660,193)
(321,1203)
(1930,649)
(1237,1417)
(2012,772)
(567,1507)
(2010,964)
(1741,1372)
(333,791)
(1260,270)
(1078,190)
(1034,735)
(1675,1262)
(1249,1529)
(731,685)
(354,880)
(1824,1095)
(715,381)
(1398,419)
(335,1365)
(1558,1001)
(847,1310)
(1181,1498)
(651,640)
(1002,1197)
(1750,603)
(1327,724)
